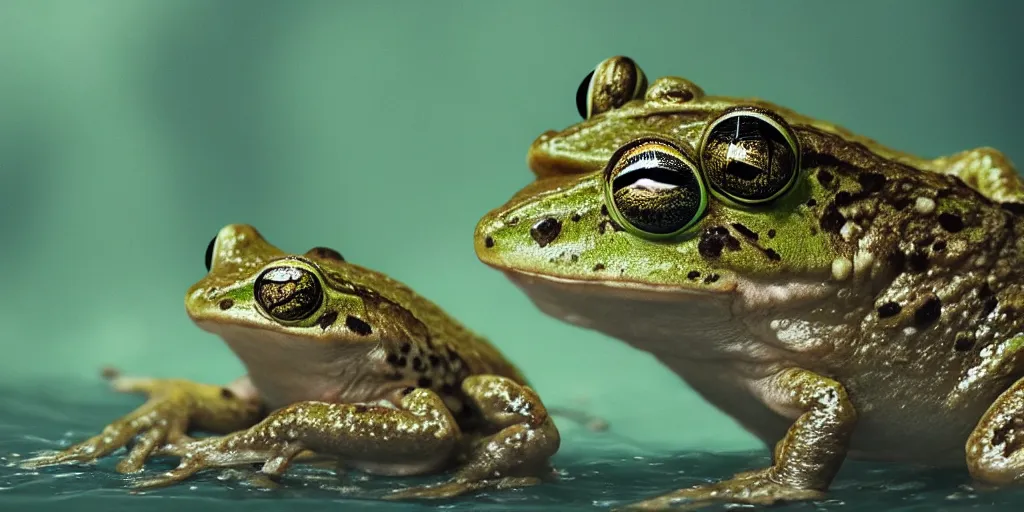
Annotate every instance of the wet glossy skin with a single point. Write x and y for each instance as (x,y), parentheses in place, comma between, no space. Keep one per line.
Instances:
(343,363)
(870,309)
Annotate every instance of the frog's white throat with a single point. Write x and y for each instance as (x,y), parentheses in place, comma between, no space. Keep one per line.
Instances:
(286,368)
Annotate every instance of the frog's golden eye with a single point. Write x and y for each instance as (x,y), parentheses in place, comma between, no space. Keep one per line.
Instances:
(653,189)
(209,253)
(749,157)
(613,83)
(288,293)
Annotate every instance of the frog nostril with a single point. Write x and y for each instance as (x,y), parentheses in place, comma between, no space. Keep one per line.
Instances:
(226,304)
(546,231)
(489,241)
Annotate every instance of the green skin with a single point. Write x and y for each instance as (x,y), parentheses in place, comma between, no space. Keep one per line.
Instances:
(870,310)
(344,365)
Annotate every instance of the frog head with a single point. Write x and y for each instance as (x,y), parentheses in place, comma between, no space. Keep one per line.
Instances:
(744,206)
(297,321)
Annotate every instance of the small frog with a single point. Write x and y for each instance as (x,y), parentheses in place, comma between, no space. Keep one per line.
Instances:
(343,362)
(835,297)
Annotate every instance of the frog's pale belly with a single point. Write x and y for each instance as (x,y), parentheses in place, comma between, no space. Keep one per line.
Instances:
(901,416)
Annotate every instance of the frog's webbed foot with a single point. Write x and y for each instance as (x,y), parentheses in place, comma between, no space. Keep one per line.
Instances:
(515,456)
(994,450)
(172,408)
(804,462)
(422,433)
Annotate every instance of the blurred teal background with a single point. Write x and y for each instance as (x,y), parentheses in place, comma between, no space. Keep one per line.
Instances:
(130,131)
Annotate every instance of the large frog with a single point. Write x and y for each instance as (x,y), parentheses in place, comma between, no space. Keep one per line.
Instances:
(343,363)
(835,297)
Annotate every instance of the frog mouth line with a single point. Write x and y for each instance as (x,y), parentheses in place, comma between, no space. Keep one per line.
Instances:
(620,288)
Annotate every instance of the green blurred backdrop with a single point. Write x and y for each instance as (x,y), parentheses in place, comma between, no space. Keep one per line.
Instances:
(130,131)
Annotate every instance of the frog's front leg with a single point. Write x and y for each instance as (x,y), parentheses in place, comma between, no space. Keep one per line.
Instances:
(515,455)
(994,454)
(173,407)
(986,170)
(419,437)
(805,461)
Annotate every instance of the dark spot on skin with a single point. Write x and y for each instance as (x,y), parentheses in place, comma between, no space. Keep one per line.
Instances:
(714,239)
(615,225)
(513,221)
(989,302)
(604,210)
(889,309)
(401,362)
(357,326)
(575,217)
(711,278)
(226,394)
(928,312)
(843,198)
(900,204)
(897,260)
(358,408)
(417,364)
(825,178)
(771,233)
(327,319)
(831,220)
(574,258)
(599,266)
(939,246)
(405,348)
(434,360)
(964,342)
(870,182)
(489,241)
(918,261)
(693,275)
(545,231)
(424,382)
(226,304)
(408,390)
(745,231)
(392,359)
(1008,436)
(811,203)
(951,223)
(1014,208)
(772,255)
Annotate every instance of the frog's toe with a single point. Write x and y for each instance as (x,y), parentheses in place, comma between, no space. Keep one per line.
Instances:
(145,445)
(749,488)
(188,467)
(453,489)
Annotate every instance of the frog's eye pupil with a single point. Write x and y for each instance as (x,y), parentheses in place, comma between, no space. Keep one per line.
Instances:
(653,189)
(288,293)
(749,157)
(583,96)
(209,253)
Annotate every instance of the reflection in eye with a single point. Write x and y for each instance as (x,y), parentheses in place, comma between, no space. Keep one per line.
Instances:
(653,189)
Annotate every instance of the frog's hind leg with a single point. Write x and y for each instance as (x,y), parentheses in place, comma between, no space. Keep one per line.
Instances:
(994,449)
(419,437)
(173,407)
(515,456)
